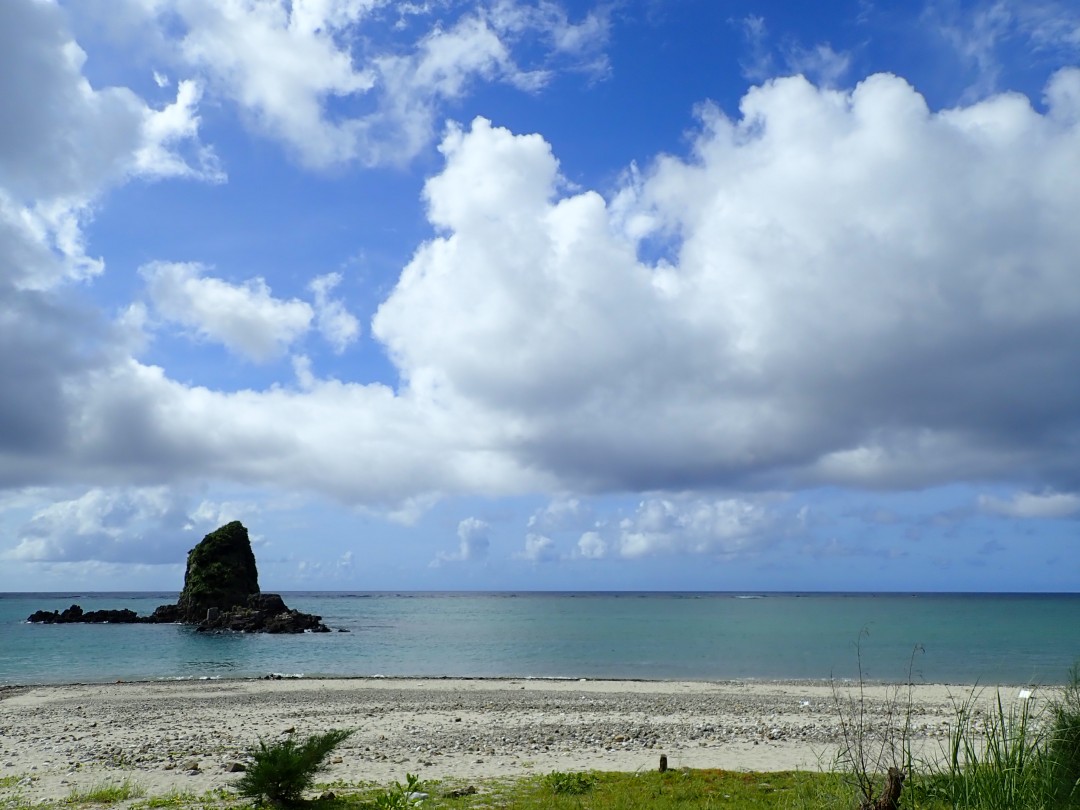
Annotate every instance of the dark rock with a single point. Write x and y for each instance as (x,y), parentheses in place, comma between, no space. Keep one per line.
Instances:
(165,614)
(76,615)
(220,573)
(264,613)
(221,592)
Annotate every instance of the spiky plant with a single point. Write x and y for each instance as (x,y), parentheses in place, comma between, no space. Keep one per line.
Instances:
(280,772)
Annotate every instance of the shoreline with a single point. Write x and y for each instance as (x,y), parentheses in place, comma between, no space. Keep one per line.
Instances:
(185,735)
(496,679)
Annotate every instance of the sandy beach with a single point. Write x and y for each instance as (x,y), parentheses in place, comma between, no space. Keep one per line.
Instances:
(186,736)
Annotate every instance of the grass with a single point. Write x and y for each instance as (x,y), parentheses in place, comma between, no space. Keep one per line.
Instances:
(106,793)
(174,798)
(672,790)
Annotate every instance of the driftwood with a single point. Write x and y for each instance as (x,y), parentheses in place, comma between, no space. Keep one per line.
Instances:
(890,796)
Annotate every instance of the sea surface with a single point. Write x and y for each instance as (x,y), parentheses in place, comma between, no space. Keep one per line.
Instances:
(933,638)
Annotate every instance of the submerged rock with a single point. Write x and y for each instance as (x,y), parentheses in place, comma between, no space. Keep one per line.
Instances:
(221,592)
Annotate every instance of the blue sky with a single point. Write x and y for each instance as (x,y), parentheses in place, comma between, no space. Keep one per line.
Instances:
(541,295)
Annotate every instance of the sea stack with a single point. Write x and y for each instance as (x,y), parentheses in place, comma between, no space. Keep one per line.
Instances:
(220,574)
(221,592)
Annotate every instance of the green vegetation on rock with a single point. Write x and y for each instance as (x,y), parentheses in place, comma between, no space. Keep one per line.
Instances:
(220,573)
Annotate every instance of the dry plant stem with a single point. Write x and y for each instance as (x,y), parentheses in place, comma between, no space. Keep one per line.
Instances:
(876,755)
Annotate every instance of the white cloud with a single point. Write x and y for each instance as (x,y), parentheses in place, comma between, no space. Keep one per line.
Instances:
(324,79)
(473,543)
(561,514)
(245,318)
(1031,505)
(280,66)
(336,324)
(539,549)
(164,129)
(111,525)
(721,528)
(833,253)
(67,142)
(592,546)
(858,290)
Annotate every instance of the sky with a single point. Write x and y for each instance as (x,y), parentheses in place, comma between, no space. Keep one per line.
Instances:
(542,294)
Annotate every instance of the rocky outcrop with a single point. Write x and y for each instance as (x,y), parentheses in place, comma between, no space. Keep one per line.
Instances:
(76,615)
(221,593)
(220,574)
(263,613)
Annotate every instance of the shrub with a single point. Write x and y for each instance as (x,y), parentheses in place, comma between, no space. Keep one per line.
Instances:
(570,784)
(401,797)
(279,773)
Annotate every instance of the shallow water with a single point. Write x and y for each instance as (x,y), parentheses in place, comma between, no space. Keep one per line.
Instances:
(944,638)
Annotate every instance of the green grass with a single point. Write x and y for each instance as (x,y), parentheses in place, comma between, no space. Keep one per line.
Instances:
(106,793)
(174,798)
(9,781)
(673,790)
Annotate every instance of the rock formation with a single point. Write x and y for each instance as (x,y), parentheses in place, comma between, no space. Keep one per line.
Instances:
(220,574)
(221,592)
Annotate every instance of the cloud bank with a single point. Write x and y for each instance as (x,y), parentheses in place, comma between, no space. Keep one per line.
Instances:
(831,287)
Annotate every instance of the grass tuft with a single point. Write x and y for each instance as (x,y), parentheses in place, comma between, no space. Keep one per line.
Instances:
(106,793)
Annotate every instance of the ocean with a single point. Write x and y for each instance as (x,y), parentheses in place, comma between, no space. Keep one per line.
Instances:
(989,639)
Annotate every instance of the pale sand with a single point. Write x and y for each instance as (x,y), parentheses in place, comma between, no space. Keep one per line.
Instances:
(57,739)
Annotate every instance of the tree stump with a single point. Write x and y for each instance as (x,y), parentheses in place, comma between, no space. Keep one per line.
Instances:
(890,796)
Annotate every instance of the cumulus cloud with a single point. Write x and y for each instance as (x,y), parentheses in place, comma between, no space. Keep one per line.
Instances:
(860,291)
(246,318)
(473,543)
(592,546)
(1033,505)
(720,528)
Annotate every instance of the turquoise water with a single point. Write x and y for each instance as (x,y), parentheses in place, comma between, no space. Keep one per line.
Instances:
(988,639)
